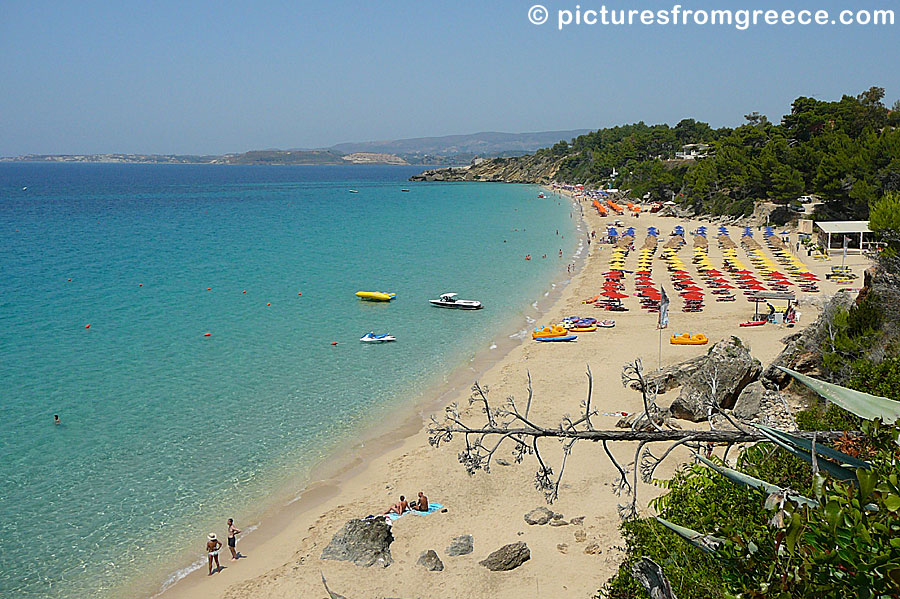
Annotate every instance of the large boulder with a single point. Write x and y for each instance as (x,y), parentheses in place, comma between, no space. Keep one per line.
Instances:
(749,401)
(363,542)
(461,545)
(430,560)
(674,376)
(507,557)
(731,366)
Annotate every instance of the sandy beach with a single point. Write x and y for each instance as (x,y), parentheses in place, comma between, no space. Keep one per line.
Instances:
(283,553)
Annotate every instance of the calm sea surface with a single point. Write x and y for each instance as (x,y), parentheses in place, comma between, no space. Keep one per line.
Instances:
(165,431)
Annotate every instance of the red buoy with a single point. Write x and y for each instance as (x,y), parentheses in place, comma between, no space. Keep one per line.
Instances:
(70,279)
(87,326)
(299,293)
(140,284)
(334,343)
(244,291)
(207,334)
(209,288)
(268,304)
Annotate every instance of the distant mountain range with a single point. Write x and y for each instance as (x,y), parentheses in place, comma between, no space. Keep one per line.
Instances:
(486,144)
(446,150)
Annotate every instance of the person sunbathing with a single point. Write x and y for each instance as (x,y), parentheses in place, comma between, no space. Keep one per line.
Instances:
(399,508)
(422,504)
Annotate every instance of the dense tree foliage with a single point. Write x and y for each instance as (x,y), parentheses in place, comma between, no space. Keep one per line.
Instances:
(846,152)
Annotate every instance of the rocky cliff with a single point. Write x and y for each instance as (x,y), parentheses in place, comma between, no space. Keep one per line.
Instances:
(523,169)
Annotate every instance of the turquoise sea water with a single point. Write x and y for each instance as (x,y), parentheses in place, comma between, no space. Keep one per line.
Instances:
(166,432)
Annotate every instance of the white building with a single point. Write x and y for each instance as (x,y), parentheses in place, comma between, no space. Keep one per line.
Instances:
(832,234)
(692,152)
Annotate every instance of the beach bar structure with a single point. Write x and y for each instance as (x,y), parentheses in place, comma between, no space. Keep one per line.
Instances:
(832,234)
(770,296)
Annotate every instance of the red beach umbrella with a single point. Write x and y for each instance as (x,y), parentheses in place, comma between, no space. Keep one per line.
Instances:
(693,296)
(757,287)
(714,272)
(642,272)
(809,275)
(744,272)
(614,295)
(693,288)
(726,286)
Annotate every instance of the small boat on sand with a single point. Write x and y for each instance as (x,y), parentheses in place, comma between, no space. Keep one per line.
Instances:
(375,296)
(448,300)
(688,339)
(753,323)
(371,337)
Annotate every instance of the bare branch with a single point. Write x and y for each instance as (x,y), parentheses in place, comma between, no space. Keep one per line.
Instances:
(508,423)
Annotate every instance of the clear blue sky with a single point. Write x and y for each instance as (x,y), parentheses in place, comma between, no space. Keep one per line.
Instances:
(213,77)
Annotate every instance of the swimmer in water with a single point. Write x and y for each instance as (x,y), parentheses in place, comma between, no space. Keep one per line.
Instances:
(56,419)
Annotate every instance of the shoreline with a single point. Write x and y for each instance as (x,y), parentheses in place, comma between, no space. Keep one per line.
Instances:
(326,478)
(284,555)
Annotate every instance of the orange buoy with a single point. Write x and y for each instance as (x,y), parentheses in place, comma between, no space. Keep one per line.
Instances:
(299,293)
(268,304)
(87,326)
(334,343)
(209,288)
(207,334)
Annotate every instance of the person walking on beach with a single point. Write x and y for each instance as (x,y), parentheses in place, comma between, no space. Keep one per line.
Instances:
(212,551)
(233,531)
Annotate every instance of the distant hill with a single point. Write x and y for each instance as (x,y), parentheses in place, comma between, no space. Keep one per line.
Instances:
(447,150)
(481,144)
(283,157)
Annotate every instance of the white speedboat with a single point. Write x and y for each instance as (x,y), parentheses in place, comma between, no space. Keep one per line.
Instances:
(448,300)
(371,337)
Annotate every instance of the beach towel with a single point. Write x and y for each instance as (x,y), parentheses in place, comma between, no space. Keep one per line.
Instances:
(432,508)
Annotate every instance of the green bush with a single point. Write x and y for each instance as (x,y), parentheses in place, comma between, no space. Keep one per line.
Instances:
(882,379)
(849,546)
(832,418)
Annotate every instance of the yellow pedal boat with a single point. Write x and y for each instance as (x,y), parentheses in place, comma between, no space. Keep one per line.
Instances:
(688,339)
(550,331)
(375,296)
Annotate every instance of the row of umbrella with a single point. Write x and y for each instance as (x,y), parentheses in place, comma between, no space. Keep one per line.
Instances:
(799,271)
(643,279)
(613,279)
(690,292)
